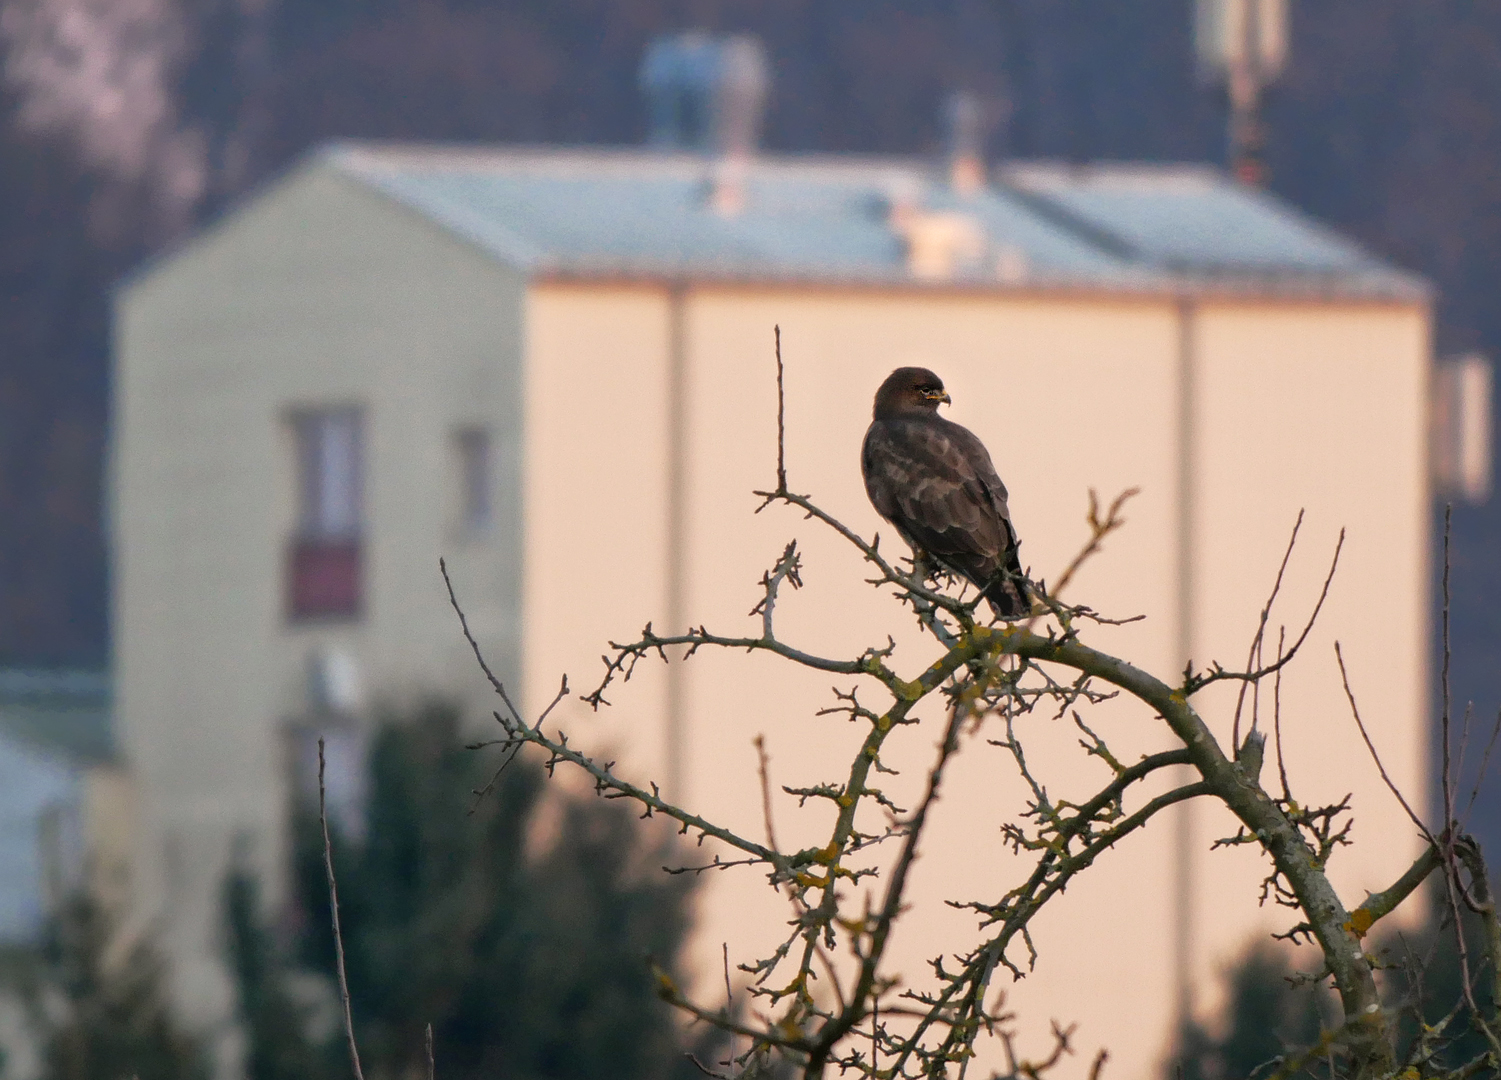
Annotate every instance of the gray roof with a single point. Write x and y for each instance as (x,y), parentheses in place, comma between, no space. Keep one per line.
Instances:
(643,213)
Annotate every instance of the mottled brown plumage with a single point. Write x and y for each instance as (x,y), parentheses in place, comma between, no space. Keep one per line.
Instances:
(934,481)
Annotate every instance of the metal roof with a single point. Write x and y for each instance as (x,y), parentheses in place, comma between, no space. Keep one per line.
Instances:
(849,219)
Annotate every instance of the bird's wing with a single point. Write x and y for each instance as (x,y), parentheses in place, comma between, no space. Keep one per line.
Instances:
(978,457)
(934,481)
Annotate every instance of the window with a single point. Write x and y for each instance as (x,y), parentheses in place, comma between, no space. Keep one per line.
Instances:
(324,560)
(476,508)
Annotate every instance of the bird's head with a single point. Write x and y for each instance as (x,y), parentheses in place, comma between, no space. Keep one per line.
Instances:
(908,390)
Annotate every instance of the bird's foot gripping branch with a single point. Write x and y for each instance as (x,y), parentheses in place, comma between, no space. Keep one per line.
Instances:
(825,994)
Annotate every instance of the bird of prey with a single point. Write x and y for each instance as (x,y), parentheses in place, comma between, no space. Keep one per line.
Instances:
(934,481)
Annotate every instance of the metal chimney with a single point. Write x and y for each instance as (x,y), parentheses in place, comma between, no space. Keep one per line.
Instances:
(964,128)
(677,76)
(708,93)
(739,98)
(1461,428)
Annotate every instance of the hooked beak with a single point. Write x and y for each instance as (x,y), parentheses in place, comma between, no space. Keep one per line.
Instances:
(942,397)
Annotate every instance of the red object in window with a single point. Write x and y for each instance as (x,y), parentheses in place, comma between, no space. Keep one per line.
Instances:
(323,579)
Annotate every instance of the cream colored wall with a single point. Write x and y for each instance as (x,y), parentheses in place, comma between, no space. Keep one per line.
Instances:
(1069,395)
(595,505)
(1319,407)
(1058,390)
(320,293)
(1011,364)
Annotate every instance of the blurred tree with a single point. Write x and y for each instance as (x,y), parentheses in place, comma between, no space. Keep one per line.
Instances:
(280,1042)
(525,951)
(1270,1011)
(1267,1014)
(103,1006)
(1427,982)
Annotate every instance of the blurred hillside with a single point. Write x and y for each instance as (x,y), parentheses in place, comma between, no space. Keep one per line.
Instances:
(126,122)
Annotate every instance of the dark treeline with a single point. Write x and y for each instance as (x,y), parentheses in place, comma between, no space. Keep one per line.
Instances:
(1388,124)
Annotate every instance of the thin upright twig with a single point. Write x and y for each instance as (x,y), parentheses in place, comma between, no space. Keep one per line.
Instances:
(1099,529)
(762,763)
(1355,711)
(333,907)
(1485,762)
(1253,657)
(1451,863)
(1098,1067)
(781,420)
(1219,674)
(1445,779)
(428,1045)
(729,1003)
(1287,794)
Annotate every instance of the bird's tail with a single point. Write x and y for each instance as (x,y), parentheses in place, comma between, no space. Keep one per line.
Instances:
(1008,594)
(1009,597)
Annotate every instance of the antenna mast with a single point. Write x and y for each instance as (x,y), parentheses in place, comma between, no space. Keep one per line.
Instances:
(1242,44)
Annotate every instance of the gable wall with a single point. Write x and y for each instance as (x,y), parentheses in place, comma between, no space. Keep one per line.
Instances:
(320,293)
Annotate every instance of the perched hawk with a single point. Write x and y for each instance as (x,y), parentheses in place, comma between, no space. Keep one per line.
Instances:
(933,480)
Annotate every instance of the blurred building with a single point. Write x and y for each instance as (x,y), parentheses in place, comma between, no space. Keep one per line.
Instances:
(64,804)
(554,367)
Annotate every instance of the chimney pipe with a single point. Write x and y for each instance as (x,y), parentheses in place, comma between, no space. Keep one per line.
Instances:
(739,97)
(964,125)
(707,92)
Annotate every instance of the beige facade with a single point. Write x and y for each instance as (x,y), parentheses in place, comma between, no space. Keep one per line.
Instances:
(1293,405)
(632,415)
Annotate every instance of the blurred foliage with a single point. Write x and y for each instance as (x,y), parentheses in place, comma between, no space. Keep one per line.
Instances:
(1266,1015)
(283,1039)
(101,1005)
(1427,982)
(518,924)
(1271,1011)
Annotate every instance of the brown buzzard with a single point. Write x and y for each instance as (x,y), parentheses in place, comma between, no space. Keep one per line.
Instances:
(933,480)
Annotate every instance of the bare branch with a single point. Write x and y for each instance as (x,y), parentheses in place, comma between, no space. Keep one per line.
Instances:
(1392,787)
(1098,529)
(761,768)
(474,645)
(781,418)
(333,907)
(1196,683)
(1379,905)
(1255,651)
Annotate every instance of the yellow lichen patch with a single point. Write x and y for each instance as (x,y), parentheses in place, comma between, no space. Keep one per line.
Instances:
(1360,922)
(907,691)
